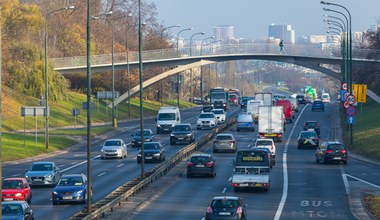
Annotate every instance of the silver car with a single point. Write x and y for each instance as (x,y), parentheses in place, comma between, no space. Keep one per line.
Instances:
(224,142)
(43,173)
(114,148)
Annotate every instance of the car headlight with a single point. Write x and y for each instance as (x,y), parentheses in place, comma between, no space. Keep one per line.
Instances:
(173,125)
(189,135)
(26,176)
(156,155)
(172,135)
(18,195)
(102,150)
(139,154)
(49,176)
(148,139)
(158,125)
(80,192)
(55,193)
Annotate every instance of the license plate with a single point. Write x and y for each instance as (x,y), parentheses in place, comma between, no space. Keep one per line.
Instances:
(67,197)
(259,184)
(200,165)
(270,135)
(224,213)
(8,199)
(38,180)
(337,158)
(148,158)
(243,184)
(180,138)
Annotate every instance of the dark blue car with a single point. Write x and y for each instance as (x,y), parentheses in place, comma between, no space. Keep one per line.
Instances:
(318,105)
(71,188)
(153,151)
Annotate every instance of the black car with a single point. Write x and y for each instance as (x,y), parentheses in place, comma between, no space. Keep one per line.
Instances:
(16,210)
(226,207)
(136,137)
(201,164)
(153,151)
(312,125)
(182,133)
(308,139)
(244,101)
(318,105)
(331,151)
(207,108)
(301,99)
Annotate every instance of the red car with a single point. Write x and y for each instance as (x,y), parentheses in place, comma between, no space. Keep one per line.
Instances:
(16,189)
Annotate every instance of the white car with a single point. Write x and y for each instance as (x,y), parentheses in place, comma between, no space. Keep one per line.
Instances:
(220,115)
(267,143)
(114,148)
(206,120)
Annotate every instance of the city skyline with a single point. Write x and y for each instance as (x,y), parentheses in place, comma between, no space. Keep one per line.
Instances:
(251,19)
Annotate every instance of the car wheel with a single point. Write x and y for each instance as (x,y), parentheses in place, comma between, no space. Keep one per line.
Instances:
(323,160)
(237,129)
(138,161)
(188,175)
(214,151)
(316,159)
(55,202)
(299,147)
(236,189)
(29,201)
(198,128)
(266,189)
(290,121)
(345,162)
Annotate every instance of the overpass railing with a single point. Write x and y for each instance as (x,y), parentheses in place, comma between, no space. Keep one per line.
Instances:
(214,50)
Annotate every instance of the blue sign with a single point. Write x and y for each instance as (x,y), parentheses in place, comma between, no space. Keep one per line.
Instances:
(350,119)
(342,95)
(323,89)
(350,111)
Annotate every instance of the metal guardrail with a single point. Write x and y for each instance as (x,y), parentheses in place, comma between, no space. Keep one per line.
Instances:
(134,186)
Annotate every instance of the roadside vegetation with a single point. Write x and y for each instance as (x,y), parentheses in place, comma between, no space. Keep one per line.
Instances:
(373,205)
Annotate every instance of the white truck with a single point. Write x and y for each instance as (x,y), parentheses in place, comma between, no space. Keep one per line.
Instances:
(252,170)
(271,122)
(167,117)
(253,108)
(266,97)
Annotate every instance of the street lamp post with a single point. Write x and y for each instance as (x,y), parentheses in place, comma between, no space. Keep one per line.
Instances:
(128,73)
(178,74)
(191,69)
(162,36)
(201,79)
(47,73)
(141,93)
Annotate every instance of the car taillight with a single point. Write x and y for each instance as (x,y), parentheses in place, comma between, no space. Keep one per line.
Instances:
(268,156)
(234,184)
(209,209)
(231,141)
(329,151)
(343,151)
(209,164)
(189,164)
(266,184)
(239,210)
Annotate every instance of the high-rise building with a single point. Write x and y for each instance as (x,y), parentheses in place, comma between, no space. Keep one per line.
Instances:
(282,32)
(224,32)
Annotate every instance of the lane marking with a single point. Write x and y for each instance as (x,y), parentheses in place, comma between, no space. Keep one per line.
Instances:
(101,174)
(120,165)
(363,181)
(224,190)
(285,170)
(78,164)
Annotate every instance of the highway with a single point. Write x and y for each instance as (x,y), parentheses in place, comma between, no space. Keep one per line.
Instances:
(307,190)
(107,175)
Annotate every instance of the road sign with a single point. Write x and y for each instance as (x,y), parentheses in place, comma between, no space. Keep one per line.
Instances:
(350,111)
(344,86)
(346,105)
(84,105)
(346,94)
(350,119)
(75,111)
(351,99)
(342,92)
(34,111)
(360,92)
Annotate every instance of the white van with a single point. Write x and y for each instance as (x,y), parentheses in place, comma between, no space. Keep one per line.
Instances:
(166,118)
(253,108)
(325,97)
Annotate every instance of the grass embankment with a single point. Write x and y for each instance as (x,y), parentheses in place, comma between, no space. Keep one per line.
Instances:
(13,146)
(366,141)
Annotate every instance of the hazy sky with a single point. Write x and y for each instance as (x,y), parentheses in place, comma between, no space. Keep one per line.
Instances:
(251,18)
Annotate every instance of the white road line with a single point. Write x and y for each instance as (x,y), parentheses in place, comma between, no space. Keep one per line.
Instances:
(73,163)
(224,190)
(120,165)
(363,181)
(189,119)
(101,174)
(285,170)
(78,164)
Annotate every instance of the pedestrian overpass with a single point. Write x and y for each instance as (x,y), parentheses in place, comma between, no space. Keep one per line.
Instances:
(308,56)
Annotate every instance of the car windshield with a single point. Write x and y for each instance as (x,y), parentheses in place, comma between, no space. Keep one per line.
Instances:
(146,133)
(233,96)
(264,143)
(335,147)
(220,95)
(218,112)
(223,137)
(112,143)
(181,128)
(11,209)
(308,135)
(199,159)
(70,181)
(12,184)
(206,116)
(166,116)
(151,146)
(224,203)
(42,167)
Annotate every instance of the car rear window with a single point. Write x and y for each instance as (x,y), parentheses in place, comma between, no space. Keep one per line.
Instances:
(199,159)
(308,134)
(224,203)
(181,128)
(223,137)
(311,124)
(335,147)
(264,143)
